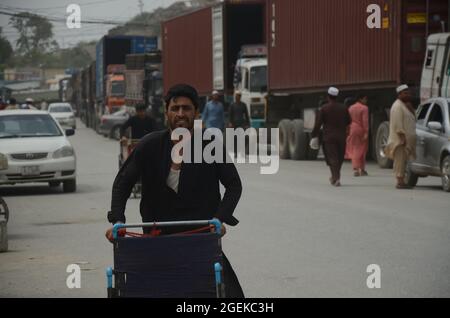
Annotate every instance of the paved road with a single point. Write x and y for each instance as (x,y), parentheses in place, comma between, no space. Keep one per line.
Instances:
(298,236)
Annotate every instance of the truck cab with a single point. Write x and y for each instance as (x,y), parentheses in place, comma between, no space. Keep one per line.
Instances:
(251,80)
(115,87)
(436,70)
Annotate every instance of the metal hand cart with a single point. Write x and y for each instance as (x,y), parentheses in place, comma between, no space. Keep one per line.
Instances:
(126,148)
(177,265)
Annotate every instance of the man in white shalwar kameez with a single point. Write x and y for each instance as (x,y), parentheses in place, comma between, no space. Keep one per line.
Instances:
(402,135)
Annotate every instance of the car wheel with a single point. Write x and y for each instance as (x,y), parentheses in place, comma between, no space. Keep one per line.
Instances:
(4,209)
(381,142)
(445,168)
(54,184)
(115,133)
(285,127)
(70,186)
(411,178)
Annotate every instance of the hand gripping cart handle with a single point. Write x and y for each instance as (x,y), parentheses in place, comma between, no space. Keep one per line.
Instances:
(171,266)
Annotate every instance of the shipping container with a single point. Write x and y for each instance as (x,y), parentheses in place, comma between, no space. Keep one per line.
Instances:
(364,46)
(113,49)
(201,48)
(315,44)
(143,83)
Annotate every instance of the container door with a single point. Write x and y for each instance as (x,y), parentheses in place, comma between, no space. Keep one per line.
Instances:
(217,34)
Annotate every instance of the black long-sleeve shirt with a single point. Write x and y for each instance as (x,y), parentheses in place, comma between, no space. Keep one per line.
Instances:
(198,196)
(334,118)
(139,126)
(239,117)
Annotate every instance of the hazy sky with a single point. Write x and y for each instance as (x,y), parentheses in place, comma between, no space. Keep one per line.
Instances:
(117,10)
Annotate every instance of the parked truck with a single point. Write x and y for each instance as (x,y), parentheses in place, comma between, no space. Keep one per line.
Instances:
(316,44)
(207,47)
(144,83)
(110,65)
(436,70)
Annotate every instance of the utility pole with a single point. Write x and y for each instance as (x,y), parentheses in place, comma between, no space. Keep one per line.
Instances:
(141,6)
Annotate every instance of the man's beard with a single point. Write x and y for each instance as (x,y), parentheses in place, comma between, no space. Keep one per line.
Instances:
(182,123)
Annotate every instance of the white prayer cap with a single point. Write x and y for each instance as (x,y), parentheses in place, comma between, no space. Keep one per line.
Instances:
(29,100)
(402,88)
(215,93)
(333,91)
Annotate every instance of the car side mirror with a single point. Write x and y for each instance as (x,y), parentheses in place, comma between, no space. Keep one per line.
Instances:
(70,132)
(435,125)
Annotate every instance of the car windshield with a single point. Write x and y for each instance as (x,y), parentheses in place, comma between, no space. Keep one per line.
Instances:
(20,126)
(258,79)
(60,109)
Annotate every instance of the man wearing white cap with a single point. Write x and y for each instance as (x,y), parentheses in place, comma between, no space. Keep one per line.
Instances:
(402,134)
(213,114)
(334,118)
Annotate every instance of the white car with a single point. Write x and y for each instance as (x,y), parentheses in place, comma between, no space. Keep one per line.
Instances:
(34,148)
(63,113)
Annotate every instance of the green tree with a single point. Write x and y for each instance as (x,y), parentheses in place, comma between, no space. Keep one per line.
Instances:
(35,35)
(6,49)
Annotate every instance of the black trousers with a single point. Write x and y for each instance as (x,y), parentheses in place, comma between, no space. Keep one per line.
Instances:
(233,288)
(335,155)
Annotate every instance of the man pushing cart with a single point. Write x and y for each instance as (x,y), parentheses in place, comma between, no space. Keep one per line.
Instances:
(176,198)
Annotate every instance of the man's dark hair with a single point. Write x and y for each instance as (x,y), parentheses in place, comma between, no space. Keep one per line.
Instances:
(12,101)
(182,90)
(332,97)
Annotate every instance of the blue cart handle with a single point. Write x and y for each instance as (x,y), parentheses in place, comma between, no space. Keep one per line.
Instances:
(217,224)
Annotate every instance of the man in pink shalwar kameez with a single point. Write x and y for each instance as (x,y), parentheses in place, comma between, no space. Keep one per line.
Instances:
(358,139)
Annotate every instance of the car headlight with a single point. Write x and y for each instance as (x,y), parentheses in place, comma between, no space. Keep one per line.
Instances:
(65,151)
(3,162)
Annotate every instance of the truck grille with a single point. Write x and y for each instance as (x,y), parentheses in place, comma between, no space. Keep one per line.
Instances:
(29,156)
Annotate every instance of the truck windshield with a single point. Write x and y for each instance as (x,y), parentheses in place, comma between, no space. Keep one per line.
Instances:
(118,88)
(258,79)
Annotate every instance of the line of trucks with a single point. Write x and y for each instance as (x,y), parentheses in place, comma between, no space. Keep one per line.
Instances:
(282,55)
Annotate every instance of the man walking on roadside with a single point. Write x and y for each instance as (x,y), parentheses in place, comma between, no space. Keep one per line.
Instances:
(213,114)
(334,118)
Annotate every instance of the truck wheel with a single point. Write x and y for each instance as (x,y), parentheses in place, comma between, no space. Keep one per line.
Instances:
(411,178)
(115,133)
(445,168)
(311,154)
(297,140)
(381,141)
(70,186)
(284,126)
